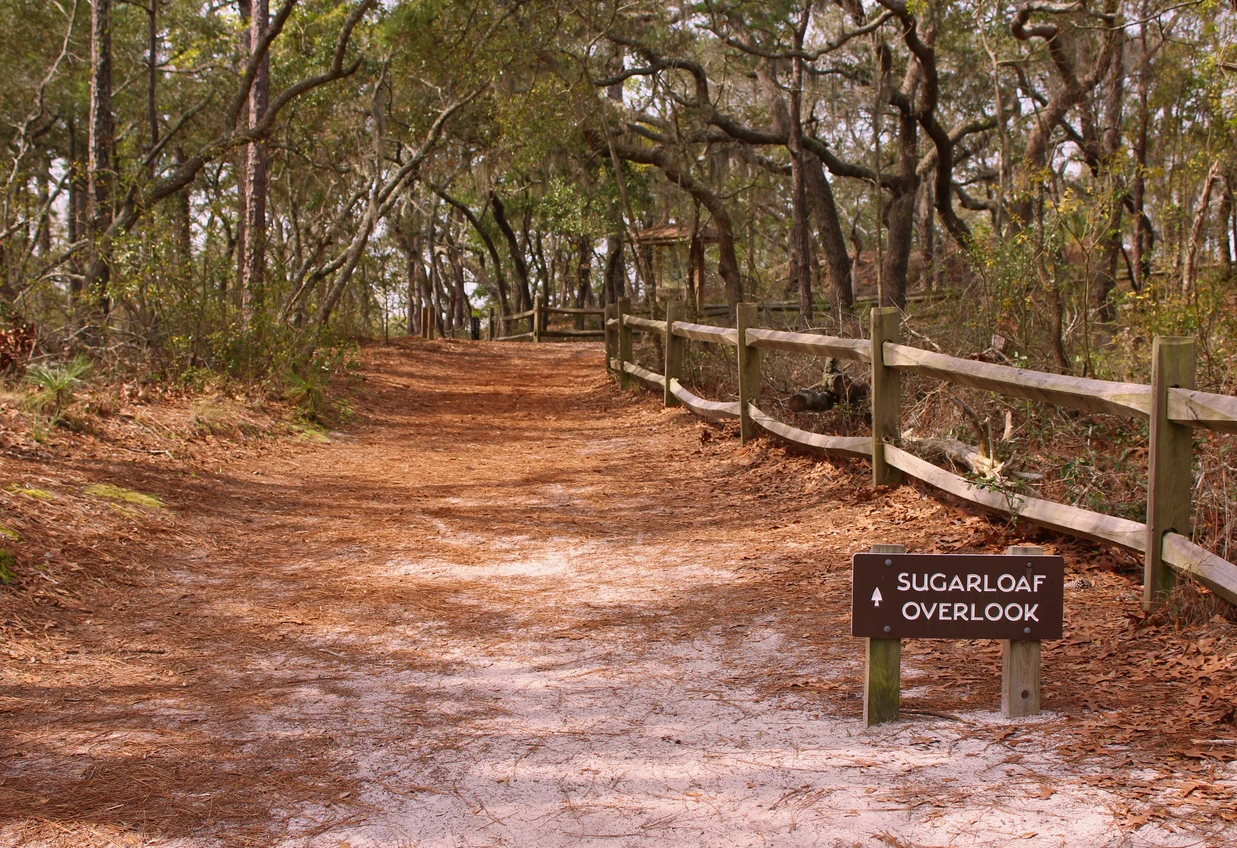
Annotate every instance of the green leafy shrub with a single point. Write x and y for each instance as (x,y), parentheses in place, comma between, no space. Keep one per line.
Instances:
(55,384)
(308,391)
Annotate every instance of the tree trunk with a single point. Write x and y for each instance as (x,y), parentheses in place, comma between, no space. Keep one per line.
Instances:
(254,258)
(413,262)
(829,231)
(1110,148)
(1141,247)
(801,262)
(928,266)
(152,80)
(900,211)
(616,271)
(76,223)
(524,296)
(244,9)
(1226,215)
(459,298)
(584,286)
(100,171)
(182,217)
(1189,268)
(45,230)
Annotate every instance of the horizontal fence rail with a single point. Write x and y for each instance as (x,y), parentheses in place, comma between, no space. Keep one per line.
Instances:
(860,446)
(721,310)
(646,324)
(716,410)
(706,333)
(1203,409)
(811,344)
(1128,399)
(1171,404)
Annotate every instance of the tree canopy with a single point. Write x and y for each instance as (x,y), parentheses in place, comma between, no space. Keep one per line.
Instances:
(230,185)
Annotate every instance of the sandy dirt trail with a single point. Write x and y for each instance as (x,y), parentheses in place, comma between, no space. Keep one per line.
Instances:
(514,607)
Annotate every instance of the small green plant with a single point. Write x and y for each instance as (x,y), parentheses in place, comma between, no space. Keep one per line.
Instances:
(8,566)
(307,391)
(55,384)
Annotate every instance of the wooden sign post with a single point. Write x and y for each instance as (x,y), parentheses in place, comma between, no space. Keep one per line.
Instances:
(1020,662)
(882,668)
(1017,598)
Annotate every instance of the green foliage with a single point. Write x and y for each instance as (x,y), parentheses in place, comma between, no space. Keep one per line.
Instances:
(308,385)
(55,384)
(307,390)
(8,566)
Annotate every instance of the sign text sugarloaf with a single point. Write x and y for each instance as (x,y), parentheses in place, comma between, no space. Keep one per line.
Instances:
(957,596)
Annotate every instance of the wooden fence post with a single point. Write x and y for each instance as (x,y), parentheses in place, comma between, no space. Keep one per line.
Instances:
(1020,663)
(749,370)
(624,342)
(882,669)
(427,323)
(1170,480)
(675,311)
(886,394)
(538,319)
(611,312)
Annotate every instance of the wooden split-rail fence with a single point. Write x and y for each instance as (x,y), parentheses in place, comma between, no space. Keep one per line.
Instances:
(538,318)
(1171,403)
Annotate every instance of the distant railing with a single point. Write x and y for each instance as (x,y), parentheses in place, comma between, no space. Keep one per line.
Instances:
(1171,404)
(539,328)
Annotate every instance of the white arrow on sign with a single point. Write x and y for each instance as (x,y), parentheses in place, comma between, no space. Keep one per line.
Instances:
(876,597)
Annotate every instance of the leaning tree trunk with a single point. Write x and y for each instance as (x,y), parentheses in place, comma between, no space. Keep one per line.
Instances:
(524,296)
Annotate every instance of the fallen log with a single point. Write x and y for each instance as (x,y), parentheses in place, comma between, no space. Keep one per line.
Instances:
(835,388)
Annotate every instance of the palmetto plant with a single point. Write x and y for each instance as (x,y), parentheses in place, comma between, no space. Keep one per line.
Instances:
(55,383)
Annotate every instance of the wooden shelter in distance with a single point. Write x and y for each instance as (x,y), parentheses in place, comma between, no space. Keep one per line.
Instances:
(671,235)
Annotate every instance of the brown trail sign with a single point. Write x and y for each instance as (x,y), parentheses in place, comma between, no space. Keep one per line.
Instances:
(1017,598)
(957,596)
